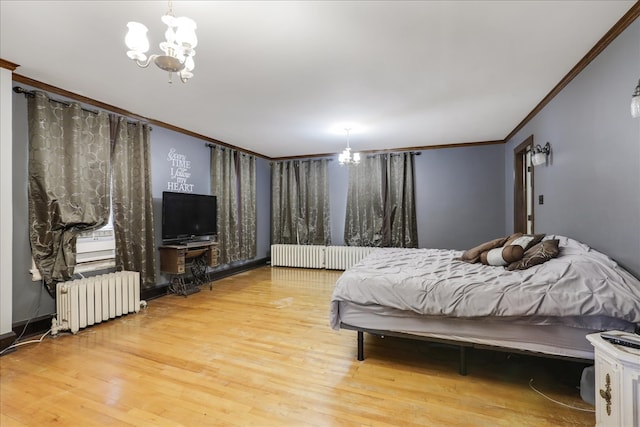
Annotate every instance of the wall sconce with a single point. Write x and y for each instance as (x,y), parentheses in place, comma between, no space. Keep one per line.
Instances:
(540,154)
(635,102)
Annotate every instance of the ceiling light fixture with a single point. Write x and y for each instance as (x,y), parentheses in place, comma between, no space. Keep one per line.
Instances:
(178,49)
(540,154)
(635,102)
(346,158)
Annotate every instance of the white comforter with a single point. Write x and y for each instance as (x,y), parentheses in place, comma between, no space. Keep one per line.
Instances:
(579,282)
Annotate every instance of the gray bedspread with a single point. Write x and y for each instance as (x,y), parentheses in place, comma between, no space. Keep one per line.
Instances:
(579,282)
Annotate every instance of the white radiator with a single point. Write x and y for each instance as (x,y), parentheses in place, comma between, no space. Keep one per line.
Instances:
(85,302)
(343,257)
(306,256)
(316,256)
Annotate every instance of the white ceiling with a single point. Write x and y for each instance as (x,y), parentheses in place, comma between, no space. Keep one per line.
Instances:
(277,78)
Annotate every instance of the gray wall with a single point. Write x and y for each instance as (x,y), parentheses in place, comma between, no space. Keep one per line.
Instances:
(591,186)
(459,196)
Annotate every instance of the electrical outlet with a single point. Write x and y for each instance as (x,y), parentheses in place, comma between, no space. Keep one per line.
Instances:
(541,199)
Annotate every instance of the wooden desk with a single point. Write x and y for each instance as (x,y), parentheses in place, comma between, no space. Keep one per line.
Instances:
(174,260)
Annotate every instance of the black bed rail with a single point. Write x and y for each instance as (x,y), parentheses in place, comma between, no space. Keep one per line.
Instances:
(462,345)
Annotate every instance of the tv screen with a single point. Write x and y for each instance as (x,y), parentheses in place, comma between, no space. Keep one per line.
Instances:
(187,216)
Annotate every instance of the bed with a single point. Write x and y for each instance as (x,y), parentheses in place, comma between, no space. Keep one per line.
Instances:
(436,295)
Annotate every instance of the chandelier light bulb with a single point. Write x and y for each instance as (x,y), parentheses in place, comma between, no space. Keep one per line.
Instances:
(169,20)
(186,32)
(137,41)
(189,63)
(170,35)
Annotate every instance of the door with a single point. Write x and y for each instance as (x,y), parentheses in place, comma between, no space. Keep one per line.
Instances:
(523,220)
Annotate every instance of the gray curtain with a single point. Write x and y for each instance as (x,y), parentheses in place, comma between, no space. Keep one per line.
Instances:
(365,202)
(68,181)
(284,203)
(401,205)
(300,202)
(248,210)
(381,202)
(132,199)
(224,187)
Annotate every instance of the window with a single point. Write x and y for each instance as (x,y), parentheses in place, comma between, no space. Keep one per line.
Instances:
(95,250)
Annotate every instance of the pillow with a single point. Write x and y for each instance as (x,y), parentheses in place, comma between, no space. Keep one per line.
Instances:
(527,241)
(538,254)
(513,237)
(473,255)
(502,256)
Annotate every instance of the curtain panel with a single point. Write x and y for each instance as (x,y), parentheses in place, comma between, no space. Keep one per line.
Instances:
(381,202)
(68,181)
(300,202)
(248,210)
(403,224)
(133,199)
(233,182)
(365,203)
(284,203)
(224,187)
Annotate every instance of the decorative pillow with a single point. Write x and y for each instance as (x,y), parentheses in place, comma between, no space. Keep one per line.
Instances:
(473,255)
(513,237)
(502,256)
(538,254)
(527,241)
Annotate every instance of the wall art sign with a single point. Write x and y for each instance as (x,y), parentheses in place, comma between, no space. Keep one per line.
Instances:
(180,167)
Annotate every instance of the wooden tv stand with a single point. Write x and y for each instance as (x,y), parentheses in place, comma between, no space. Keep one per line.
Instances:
(174,260)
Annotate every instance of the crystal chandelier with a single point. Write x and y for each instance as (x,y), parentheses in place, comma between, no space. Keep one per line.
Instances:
(346,157)
(178,49)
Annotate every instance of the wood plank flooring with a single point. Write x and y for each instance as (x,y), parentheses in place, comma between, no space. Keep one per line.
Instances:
(257,350)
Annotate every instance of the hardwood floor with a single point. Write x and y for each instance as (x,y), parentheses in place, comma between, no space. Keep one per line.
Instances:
(257,350)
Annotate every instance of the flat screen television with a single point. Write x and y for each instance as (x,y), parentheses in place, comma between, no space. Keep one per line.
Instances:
(188,216)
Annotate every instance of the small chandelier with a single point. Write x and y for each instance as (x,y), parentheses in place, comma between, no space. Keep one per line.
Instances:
(635,102)
(346,157)
(178,49)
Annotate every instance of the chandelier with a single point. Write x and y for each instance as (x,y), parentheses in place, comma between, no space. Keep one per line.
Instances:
(178,49)
(346,157)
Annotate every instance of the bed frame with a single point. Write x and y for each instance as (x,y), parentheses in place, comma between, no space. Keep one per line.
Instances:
(464,346)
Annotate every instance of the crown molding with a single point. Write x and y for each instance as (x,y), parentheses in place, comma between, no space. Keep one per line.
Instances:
(8,65)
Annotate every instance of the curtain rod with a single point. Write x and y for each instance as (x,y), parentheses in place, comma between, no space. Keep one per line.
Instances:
(31,93)
(222,148)
(315,159)
(415,153)
(332,158)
